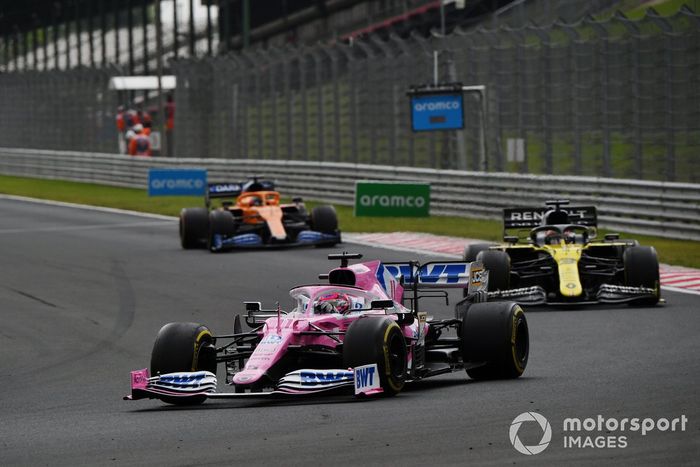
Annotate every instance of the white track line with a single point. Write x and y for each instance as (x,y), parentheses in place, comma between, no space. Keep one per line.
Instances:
(88,207)
(346,237)
(68,228)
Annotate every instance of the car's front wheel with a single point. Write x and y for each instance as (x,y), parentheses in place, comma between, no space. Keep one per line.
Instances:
(221,224)
(378,340)
(497,263)
(183,347)
(194,227)
(324,219)
(642,270)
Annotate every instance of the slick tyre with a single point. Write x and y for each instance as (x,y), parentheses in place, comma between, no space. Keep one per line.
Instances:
(471,251)
(497,263)
(470,254)
(495,340)
(378,340)
(324,219)
(220,223)
(642,270)
(183,347)
(194,227)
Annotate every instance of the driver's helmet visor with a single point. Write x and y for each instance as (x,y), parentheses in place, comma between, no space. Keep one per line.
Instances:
(335,301)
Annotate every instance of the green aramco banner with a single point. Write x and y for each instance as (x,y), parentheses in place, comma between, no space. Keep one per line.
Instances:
(392,199)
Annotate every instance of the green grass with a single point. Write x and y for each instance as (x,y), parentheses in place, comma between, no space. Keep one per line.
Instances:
(679,252)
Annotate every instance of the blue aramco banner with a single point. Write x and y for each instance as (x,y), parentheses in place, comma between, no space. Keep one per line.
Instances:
(443,111)
(177,182)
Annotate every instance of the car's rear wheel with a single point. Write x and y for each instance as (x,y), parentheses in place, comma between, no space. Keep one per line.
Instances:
(221,222)
(497,263)
(183,347)
(642,270)
(378,340)
(495,340)
(194,227)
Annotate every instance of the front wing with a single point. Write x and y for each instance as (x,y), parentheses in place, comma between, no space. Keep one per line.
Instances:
(607,293)
(253,240)
(191,385)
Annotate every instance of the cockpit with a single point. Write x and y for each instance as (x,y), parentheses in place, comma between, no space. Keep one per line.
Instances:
(259,198)
(559,234)
(329,300)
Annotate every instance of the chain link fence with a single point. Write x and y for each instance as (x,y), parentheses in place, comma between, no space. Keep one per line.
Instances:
(615,98)
(58,110)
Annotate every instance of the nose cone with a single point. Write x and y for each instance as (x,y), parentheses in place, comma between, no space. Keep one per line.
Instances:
(247,377)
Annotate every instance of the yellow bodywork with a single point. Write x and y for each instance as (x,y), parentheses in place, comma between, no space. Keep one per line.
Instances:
(566,256)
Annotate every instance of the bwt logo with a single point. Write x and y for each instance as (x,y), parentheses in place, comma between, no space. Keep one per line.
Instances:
(546,433)
(433,106)
(393,201)
(364,377)
(174,184)
(182,378)
(446,273)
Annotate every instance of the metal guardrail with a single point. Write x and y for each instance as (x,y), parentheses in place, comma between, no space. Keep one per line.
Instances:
(655,208)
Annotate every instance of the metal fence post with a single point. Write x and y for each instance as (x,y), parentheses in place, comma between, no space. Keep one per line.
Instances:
(667,31)
(319,103)
(335,80)
(604,83)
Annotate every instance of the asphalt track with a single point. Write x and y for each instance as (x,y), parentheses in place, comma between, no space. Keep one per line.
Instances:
(83,293)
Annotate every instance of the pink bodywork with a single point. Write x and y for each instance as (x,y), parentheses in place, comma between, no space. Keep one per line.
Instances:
(373,282)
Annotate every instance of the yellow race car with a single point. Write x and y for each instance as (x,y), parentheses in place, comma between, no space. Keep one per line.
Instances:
(551,256)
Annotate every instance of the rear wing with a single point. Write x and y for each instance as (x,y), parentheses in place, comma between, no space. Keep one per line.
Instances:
(528,218)
(440,275)
(233,189)
(223,190)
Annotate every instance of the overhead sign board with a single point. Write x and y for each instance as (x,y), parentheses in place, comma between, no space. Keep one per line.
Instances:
(437,111)
(177,182)
(392,199)
(138,83)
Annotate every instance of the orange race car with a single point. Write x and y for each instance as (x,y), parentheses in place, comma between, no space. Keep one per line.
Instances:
(255,219)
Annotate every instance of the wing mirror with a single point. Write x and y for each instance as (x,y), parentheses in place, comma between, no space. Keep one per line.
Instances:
(252,307)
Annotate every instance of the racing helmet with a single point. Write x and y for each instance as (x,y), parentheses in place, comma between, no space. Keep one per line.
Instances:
(552,236)
(333,302)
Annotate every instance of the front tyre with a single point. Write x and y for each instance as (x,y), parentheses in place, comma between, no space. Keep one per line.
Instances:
(642,270)
(472,250)
(221,223)
(497,263)
(378,340)
(194,227)
(324,219)
(183,347)
(495,340)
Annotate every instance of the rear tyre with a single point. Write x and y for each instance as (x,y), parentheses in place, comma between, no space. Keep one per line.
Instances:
(220,223)
(495,336)
(181,347)
(642,270)
(325,220)
(497,263)
(378,340)
(194,227)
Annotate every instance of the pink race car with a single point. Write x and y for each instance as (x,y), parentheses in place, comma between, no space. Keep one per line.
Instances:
(362,331)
